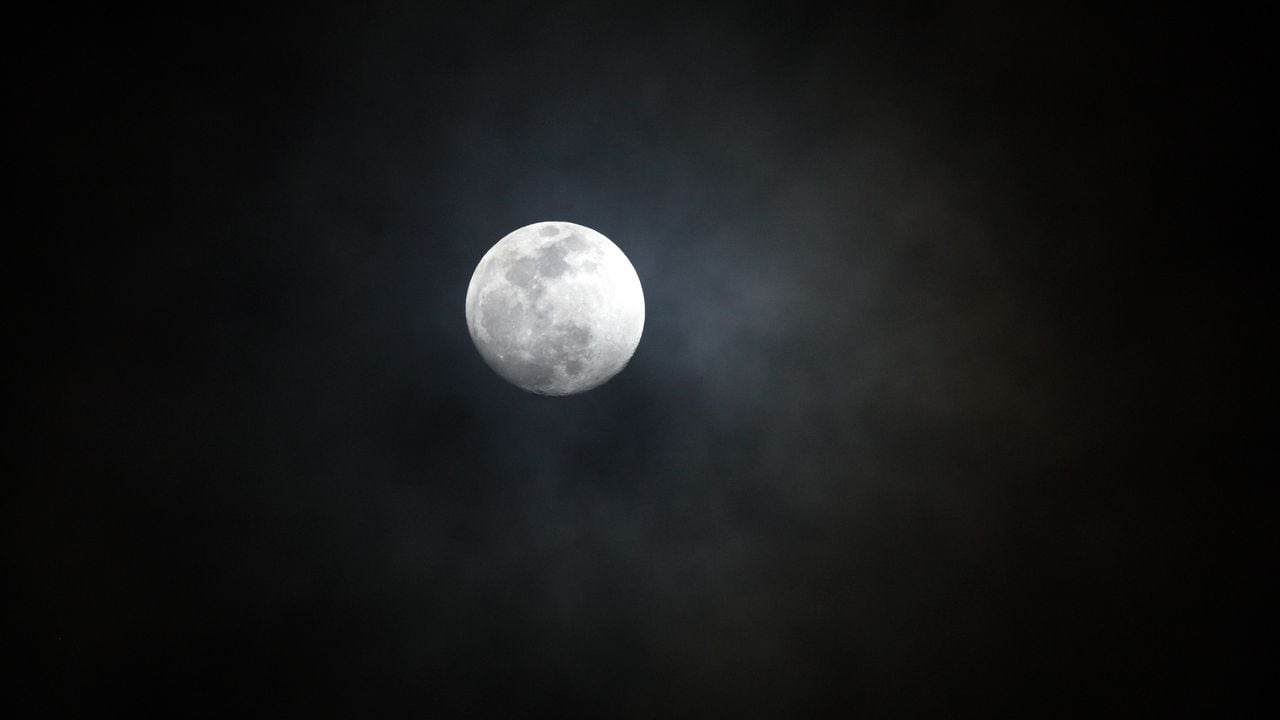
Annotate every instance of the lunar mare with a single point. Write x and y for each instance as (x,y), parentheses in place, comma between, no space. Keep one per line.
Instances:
(555,308)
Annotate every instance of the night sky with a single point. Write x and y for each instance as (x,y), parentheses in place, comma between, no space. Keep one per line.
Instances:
(942,407)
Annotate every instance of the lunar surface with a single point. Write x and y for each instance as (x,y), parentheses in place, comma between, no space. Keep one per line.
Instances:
(555,308)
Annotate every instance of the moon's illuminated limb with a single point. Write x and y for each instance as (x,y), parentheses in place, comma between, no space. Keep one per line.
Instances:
(555,308)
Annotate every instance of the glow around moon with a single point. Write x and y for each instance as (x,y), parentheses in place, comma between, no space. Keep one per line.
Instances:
(555,308)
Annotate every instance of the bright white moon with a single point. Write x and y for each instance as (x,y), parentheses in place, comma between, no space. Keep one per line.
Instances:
(555,308)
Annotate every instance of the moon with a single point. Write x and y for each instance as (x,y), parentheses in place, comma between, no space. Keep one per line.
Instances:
(555,308)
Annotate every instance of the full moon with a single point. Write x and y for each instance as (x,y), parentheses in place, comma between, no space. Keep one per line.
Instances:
(555,308)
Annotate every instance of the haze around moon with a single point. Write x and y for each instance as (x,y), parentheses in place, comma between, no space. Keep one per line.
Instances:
(555,308)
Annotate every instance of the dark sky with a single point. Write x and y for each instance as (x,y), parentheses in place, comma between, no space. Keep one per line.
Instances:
(941,408)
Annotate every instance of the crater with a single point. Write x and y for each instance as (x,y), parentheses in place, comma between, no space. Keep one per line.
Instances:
(501,316)
(569,340)
(575,242)
(551,261)
(532,375)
